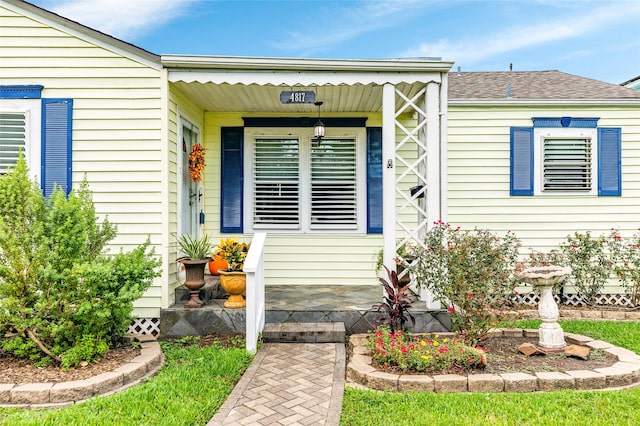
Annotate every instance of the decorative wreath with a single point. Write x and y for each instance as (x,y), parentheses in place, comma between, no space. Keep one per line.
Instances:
(196,162)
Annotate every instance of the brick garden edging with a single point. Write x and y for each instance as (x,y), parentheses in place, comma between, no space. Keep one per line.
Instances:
(54,395)
(623,373)
(586,314)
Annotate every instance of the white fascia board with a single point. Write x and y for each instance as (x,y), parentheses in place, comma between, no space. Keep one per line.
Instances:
(296,64)
(83,32)
(277,78)
(544,102)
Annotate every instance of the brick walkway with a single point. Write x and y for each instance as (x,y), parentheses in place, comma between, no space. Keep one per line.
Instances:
(288,384)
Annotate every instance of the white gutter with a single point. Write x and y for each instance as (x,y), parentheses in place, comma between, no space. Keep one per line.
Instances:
(303,64)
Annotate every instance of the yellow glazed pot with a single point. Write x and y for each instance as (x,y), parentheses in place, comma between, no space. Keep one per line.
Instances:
(235,284)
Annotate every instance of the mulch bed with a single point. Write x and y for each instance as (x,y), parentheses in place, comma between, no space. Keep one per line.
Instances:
(20,371)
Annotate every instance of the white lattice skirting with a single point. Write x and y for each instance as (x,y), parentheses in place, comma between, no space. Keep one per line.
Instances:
(147,326)
(574,299)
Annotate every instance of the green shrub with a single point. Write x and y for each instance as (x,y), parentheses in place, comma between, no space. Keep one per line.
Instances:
(626,255)
(58,290)
(470,272)
(590,263)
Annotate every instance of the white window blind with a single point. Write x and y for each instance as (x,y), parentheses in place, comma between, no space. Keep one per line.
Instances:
(333,184)
(276,194)
(567,165)
(12,138)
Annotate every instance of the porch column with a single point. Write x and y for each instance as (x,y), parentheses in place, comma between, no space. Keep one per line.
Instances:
(434,184)
(444,101)
(433,153)
(388,176)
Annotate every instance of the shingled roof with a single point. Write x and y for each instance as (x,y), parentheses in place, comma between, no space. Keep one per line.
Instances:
(533,85)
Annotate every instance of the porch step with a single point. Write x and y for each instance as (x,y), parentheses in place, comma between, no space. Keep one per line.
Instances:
(209,292)
(304,332)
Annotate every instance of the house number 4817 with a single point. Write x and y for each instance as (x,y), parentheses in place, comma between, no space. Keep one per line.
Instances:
(297,97)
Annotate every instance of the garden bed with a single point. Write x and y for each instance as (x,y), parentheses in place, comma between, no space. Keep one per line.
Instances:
(611,367)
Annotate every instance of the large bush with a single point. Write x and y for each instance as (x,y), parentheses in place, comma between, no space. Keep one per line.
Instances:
(469,271)
(61,297)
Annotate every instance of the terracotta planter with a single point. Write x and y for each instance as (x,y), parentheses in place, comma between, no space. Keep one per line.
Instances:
(216,264)
(194,281)
(235,284)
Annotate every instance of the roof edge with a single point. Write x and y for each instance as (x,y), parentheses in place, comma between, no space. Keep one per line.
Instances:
(305,64)
(151,58)
(528,102)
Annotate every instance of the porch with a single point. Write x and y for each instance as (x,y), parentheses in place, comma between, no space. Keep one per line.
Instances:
(351,305)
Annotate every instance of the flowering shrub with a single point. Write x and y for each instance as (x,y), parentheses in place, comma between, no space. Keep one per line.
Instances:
(233,252)
(590,262)
(471,272)
(409,353)
(626,254)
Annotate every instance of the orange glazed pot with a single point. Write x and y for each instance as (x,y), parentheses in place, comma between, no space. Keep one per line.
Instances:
(217,263)
(235,284)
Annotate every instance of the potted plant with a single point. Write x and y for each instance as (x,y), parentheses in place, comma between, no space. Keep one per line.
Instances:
(196,250)
(232,279)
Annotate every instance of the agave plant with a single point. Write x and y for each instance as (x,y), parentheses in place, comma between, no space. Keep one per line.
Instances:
(396,304)
(195,248)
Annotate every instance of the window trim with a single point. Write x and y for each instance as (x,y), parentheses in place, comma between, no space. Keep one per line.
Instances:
(32,110)
(539,136)
(305,135)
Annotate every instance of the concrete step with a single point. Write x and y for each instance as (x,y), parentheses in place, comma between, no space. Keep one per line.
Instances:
(304,332)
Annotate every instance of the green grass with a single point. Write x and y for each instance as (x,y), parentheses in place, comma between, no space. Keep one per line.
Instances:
(364,407)
(188,390)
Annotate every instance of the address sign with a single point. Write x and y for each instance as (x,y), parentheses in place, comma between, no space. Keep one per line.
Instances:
(297,97)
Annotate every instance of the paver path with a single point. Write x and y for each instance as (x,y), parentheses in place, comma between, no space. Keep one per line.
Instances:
(288,384)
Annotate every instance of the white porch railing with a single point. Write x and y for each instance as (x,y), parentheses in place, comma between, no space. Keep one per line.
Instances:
(255,311)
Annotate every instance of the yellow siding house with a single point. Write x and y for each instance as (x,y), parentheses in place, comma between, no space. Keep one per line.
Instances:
(406,143)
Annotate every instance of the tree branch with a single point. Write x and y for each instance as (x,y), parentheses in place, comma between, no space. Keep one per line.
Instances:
(41,345)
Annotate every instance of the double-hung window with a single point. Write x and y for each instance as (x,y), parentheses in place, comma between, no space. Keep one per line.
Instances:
(300,185)
(565,156)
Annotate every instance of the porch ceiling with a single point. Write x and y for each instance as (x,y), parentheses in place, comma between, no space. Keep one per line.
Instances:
(253,85)
(266,99)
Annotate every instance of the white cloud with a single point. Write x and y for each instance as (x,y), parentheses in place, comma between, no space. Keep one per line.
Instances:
(124,19)
(344,23)
(523,36)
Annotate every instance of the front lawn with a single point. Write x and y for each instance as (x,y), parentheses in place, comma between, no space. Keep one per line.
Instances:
(188,390)
(364,407)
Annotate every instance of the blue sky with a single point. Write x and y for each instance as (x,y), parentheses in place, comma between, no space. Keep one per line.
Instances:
(598,39)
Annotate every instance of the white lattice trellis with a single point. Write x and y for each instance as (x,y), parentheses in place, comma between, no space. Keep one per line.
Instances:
(575,299)
(146,326)
(417,182)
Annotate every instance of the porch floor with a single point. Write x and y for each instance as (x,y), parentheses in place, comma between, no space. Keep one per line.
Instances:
(291,303)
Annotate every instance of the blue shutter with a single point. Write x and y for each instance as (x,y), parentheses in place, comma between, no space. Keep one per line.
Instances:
(56,145)
(374,180)
(232,180)
(609,162)
(521,161)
